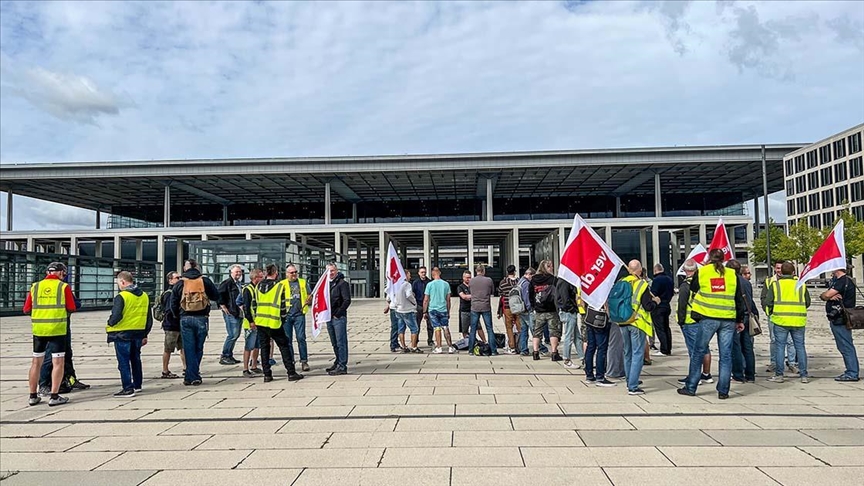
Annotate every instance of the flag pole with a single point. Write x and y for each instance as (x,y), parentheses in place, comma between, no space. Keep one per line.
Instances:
(767,214)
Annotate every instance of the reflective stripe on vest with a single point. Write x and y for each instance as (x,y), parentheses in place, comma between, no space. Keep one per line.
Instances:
(135,308)
(304,294)
(251,289)
(790,306)
(716,296)
(643,318)
(268,311)
(48,314)
(688,316)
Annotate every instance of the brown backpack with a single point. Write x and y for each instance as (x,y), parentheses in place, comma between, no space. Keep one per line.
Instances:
(194,298)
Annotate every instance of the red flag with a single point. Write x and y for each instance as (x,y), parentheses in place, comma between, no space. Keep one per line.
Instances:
(395,272)
(321,303)
(829,257)
(720,242)
(588,263)
(698,255)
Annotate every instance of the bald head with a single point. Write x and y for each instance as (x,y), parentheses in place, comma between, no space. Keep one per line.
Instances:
(634,267)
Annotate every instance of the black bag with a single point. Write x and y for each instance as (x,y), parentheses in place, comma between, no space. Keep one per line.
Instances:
(595,318)
(854,318)
(482,349)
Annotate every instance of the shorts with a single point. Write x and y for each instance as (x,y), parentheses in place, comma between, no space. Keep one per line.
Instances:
(56,345)
(551,319)
(173,341)
(465,322)
(439,319)
(251,338)
(408,320)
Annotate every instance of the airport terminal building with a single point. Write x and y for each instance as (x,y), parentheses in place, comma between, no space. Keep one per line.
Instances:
(451,210)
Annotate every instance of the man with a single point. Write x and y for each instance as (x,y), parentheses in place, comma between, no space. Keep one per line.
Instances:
(635,334)
(337,327)
(171,326)
(190,299)
(464,291)
(689,327)
(526,317)
(390,308)
(436,306)
(49,304)
(568,313)
(406,317)
(663,287)
(718,306)
(841,294)
(541,292)
(510,320)
(419,287)
(743,356)
(229,289)
(269,313)
(251,344)
(791,362)
(787,309)
(298,296)
(70,378)
(481,289)
(128,326)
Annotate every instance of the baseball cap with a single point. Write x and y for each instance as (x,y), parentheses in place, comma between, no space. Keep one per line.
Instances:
(56,267)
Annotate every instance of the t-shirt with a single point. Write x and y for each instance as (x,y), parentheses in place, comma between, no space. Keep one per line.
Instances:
(438,290)
(464,305)
(296,308)
(481,291)
(844,287)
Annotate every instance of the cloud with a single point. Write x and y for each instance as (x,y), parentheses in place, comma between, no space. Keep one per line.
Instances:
(63,95)
(848,30)
(672,14)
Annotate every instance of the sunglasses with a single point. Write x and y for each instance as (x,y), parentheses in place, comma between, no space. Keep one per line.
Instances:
(290,273)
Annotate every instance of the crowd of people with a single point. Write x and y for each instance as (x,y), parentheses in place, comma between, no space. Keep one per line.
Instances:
(543,315)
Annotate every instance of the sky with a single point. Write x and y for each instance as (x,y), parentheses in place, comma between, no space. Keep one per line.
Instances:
(132,81)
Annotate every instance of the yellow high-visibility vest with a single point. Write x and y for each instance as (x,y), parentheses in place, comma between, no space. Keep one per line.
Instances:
(48,314)
(688,318)
(790,306)
(716,296)
(304,294)
(254,304)
(643,317)
(267,312)
(135,309)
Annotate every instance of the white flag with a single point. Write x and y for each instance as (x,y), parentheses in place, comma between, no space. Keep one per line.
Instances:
(588,263)
(321,304)
(395,273)
(829,257)
(698,254)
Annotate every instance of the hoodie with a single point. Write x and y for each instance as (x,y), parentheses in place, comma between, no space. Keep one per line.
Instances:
(117,316)
(340,297)
(565,295)
(539,283)
(404,299)
(177,293)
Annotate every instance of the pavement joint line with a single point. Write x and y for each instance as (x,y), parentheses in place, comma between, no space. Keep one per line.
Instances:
(665,456)
(759,468)
(607,475)
(814,457)
(327,440)
(814,438)
(109,460)
(752,422)
(244,458)
(149,477)
(302,471)
(629,422)
(706,434)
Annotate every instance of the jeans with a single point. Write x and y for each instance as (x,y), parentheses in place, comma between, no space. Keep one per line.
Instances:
(394,331)
(571,335)
(660,317)
(296,325)
(725,331)
(598,342)
(490,333)
(614,353)
(409,320)
(338,330)
(781,335)
(843,340)
(420,316)
(790,347)
(743,357)
(193,330)
(691,337)
(48,365)
(525,333)
(280,338)
(234,326)
(129,363)
(634,353)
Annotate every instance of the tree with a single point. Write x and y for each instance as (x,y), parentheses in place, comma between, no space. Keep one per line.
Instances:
(802,242)
(759,248)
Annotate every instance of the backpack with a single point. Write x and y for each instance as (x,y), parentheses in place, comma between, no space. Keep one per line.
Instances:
(482,349)
(621,310)
(500,340)
(194,298)
(546,297)
(157,309)
(514,298)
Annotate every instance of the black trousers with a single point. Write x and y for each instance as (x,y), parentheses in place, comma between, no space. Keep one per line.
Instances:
(265,334)
(660,316)
(420,316)
(48,366)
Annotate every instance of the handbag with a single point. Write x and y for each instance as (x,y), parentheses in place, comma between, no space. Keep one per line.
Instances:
(853,317)
(755,328)
(596,319)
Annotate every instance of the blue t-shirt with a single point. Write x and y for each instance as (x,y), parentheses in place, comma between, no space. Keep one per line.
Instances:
(437,291)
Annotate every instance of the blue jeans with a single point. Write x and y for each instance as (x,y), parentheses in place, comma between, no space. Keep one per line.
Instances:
(490,333)
(394,330)
(296,325)
(129,363)
(743,357)
(634,353)
(409,320)
(571,335)
(790,346)
(234,326)
(725,331)
(193,330)
(783,334)
(527,332)
(843,340)
(338,330)
(598,342)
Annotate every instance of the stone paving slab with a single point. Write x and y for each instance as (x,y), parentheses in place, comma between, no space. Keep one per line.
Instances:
(56,444)
(838,456)
(276,477)
(451,457)
(354,440)
(738,456)
(688,476)
(54,461)
(369,457)
(764,438)
(532,438)
(594,456)
(427,476)
(808,476)
(140,443)
(546,476)
(194,460)
(837,437)
(80,478)
(632,438)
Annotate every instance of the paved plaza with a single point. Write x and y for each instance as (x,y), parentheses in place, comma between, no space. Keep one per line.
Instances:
(424,419)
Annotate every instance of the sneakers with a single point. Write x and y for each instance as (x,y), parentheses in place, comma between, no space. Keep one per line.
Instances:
(606,383)
(333,367)
(657,353)
(511,351)
(58,401)
(416,350)
(707,378)
(805,379)
(845,377)
(590,379)
(536,356)
(452,350)
(777,379)
(637,391)
(722,396)
(127,393)
(248,374)
(196,382)
(437,351)
(44,391)
(295,376)
(771,368)
(227,360)
(77,384)
(793,368)
(557,357)
(34,400)
(738,380)
(686,392)
(337,372)
(268,378)
(304,366)
(571,365)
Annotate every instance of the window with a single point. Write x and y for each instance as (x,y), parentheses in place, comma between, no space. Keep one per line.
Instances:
(839,149)
(812,161)
(790,207)
(857,191)
(826,177)
(815,222)
(858,212)
(800,184)
(825,154)
(814,202)
(827,198)
(789,167)
(828,219)
(790,187)
(800,161)
(856,168)
(842,193)
(801,202)
(813,181)
(840,171)
(854,143)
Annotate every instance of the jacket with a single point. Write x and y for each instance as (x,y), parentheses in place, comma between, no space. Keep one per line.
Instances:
(565,297)
(171,322)
(524,284)
(747,288)
(228,292)
(177,293)
(117,316)
(662,286)
(683,301)
(540,282)
(504,287)
(340,296)
(419,287)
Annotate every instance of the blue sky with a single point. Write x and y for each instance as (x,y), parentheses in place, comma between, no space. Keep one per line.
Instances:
(122,80)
